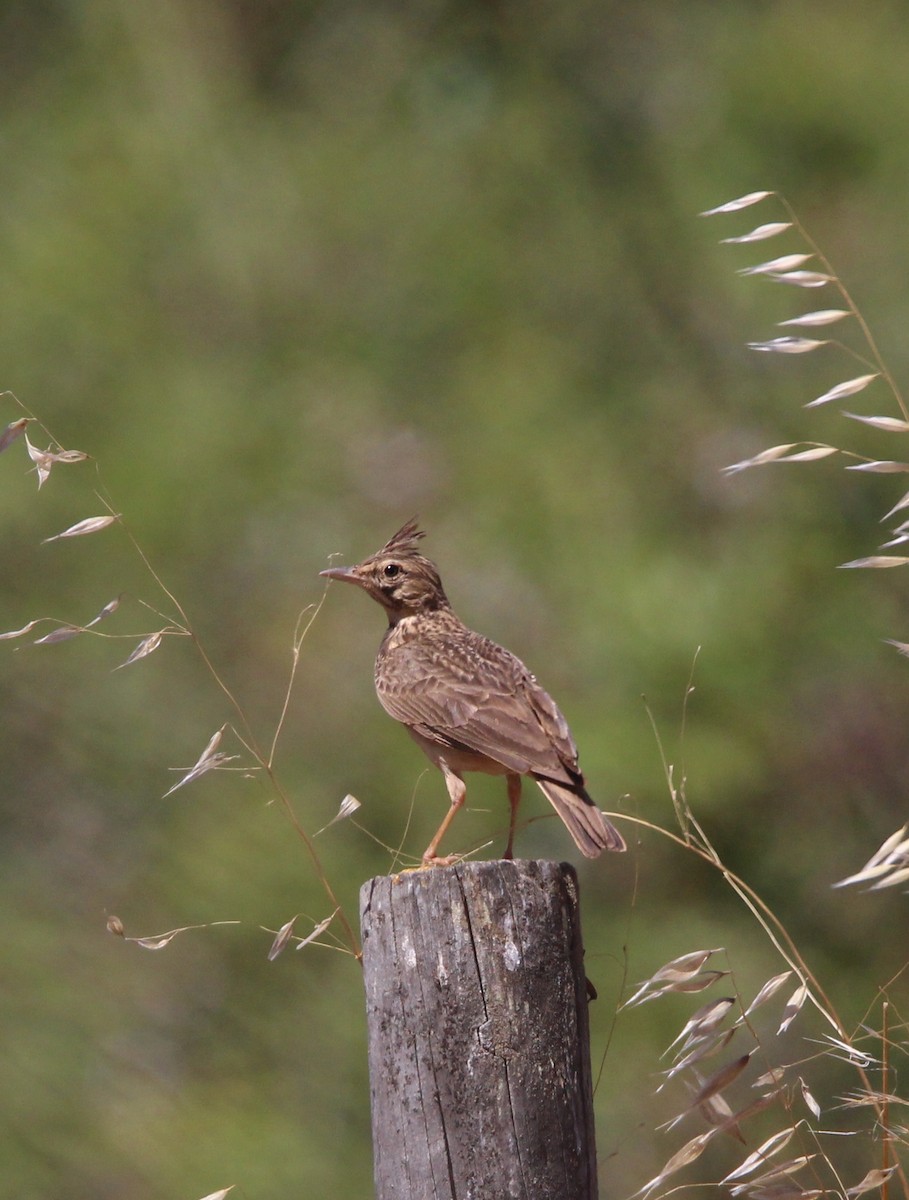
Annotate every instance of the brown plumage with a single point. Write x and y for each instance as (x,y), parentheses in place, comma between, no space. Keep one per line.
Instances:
(469,703)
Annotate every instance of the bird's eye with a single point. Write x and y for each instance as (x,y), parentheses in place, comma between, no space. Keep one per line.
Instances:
(391,570)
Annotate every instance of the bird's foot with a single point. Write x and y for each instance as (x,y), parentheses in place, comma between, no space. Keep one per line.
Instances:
(439,860)
(426,864)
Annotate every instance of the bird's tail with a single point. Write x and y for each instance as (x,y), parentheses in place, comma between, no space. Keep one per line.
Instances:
(591,831)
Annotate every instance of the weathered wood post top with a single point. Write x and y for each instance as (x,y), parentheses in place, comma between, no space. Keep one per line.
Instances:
(479,1055)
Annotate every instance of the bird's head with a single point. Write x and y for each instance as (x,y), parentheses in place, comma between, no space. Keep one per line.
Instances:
(398,577)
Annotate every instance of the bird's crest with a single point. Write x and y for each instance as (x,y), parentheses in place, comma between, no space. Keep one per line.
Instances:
(405,541)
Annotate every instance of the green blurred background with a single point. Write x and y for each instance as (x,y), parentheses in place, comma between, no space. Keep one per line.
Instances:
(294,272)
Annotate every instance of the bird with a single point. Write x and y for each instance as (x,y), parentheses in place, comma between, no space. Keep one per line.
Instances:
(469,703)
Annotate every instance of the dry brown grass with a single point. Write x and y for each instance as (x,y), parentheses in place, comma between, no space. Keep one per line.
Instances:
(730,1060)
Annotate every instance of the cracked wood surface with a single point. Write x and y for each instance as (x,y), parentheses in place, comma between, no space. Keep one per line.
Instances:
(479,1056)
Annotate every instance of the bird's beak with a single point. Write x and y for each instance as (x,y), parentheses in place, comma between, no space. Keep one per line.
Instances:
(346,574)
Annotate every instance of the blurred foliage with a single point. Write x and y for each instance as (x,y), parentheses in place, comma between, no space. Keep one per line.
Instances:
(293,272)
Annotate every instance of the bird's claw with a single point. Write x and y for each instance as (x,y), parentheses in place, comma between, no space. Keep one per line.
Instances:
(440,860)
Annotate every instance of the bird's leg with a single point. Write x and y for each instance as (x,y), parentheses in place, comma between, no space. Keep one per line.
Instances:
(457,790)
(514,799)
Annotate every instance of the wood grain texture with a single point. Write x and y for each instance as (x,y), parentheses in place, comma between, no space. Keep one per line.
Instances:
(478,1034)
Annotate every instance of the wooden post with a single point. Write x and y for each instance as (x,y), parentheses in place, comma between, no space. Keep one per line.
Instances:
(479,1056)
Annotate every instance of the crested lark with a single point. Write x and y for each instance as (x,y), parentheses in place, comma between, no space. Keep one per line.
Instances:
(469,703)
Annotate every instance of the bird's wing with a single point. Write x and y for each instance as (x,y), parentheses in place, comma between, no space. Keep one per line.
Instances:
(472,694)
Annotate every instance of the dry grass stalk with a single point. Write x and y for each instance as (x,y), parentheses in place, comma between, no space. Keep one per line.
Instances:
(886,869)
(760,1175)
(175,623)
